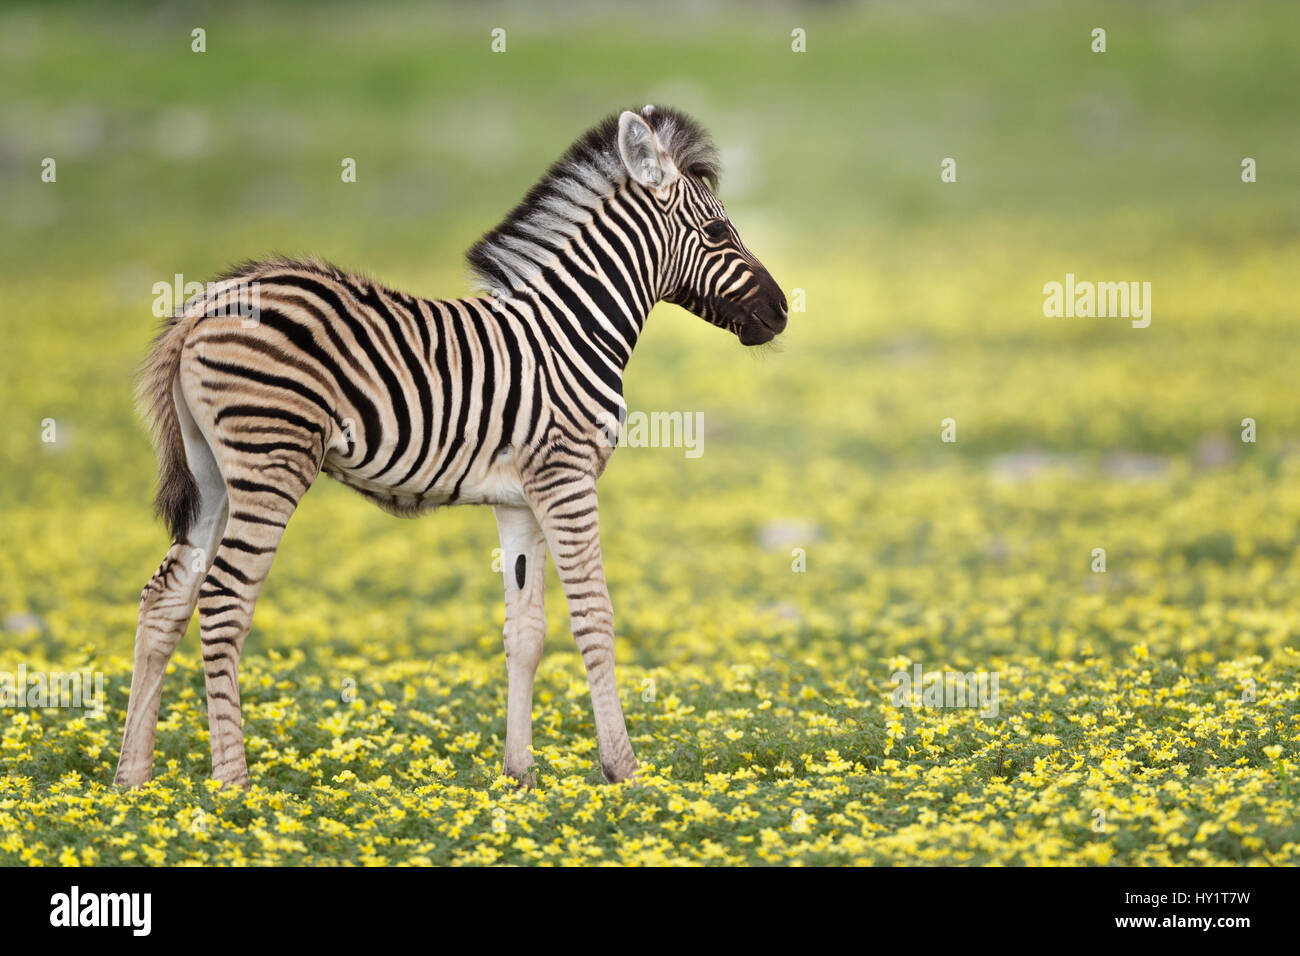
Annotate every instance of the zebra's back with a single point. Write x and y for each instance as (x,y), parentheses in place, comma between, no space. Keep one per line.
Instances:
(413,402)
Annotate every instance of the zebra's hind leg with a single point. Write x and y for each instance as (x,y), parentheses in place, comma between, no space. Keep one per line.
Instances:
(523,563)
(166,606)
(264,492)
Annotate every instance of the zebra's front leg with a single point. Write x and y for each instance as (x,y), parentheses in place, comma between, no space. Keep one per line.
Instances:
(523,565)
(570,520)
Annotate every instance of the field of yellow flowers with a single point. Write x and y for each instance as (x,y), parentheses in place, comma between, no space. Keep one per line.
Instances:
(1147,715)
(768,591)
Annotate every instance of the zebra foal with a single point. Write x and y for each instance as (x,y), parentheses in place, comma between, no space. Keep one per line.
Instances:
(509,399)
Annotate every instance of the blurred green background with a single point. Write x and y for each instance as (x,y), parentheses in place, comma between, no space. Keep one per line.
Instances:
(924,302)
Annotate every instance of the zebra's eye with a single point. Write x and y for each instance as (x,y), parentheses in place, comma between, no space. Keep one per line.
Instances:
(717,229)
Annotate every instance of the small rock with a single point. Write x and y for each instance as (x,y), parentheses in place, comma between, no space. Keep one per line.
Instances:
(784,611)
(19,623)
(1134,466)
(788,533)
(1018,466)
(1214,451)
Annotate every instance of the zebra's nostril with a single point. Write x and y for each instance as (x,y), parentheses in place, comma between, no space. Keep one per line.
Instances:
(770,319)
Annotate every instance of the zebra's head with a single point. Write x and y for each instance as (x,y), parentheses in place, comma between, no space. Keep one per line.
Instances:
(707,269)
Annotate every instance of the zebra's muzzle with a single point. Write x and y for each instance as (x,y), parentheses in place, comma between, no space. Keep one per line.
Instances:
(766,320)
(755,332)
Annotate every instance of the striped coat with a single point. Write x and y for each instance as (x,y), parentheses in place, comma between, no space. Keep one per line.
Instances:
(285,369)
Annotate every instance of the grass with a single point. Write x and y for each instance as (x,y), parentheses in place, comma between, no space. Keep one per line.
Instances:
(1148,715)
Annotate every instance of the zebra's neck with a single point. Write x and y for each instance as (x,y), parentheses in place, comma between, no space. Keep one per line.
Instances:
(594,293)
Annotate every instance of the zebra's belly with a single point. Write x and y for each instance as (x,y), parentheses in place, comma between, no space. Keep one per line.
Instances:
(495,483)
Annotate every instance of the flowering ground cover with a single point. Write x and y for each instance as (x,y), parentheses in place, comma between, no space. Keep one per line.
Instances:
(1113,534)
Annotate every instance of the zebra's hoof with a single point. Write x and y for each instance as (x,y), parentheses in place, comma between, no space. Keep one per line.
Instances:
(525,779)
(620,772)
(130,779)
(236,783)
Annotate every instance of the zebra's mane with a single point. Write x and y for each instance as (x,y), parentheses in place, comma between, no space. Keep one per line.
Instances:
(588,173)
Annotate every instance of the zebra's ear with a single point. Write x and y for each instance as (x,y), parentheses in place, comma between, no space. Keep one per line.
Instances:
(642,153)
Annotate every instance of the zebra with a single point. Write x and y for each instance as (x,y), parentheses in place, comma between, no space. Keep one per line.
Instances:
(510,398)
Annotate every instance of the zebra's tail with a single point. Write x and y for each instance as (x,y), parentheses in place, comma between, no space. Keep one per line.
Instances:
(177,501)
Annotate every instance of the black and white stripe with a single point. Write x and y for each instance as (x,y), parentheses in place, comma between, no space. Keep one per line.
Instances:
(504,399)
